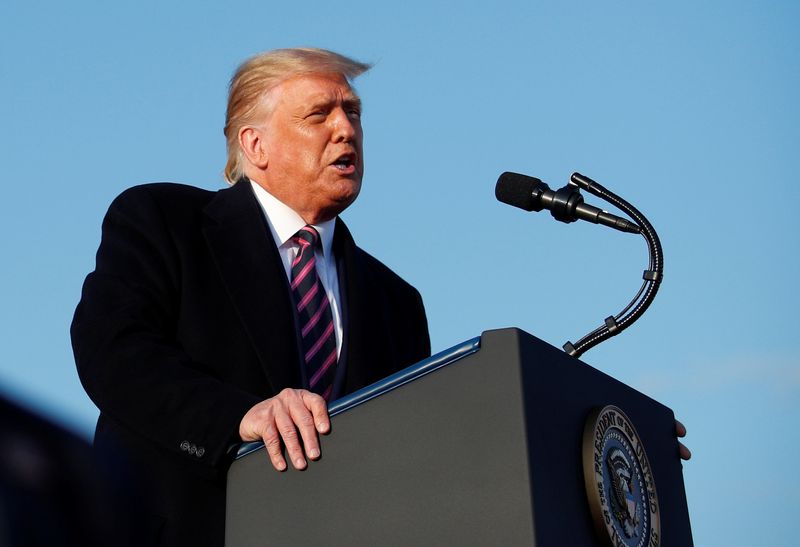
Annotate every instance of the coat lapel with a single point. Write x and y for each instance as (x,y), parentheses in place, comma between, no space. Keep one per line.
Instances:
(355,350)
(251,269)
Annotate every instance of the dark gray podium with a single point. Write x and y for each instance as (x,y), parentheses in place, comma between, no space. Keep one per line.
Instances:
(479,445)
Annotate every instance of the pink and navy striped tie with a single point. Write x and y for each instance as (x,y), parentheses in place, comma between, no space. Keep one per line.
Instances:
(314,314)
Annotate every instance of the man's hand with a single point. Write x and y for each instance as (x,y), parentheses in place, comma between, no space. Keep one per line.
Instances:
(680,431)
(280,418)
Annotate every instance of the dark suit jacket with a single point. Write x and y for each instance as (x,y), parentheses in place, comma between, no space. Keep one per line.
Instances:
(186,323)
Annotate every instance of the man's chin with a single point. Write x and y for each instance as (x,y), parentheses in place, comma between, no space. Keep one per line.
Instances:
(347,191)
(344,201)
(334,205)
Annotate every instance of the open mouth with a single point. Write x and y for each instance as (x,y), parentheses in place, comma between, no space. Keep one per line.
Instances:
(345,162)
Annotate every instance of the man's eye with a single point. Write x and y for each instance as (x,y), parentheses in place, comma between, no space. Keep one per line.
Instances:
(354,114)
(316,117)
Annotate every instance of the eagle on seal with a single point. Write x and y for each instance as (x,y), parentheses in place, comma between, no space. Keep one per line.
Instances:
(623,502)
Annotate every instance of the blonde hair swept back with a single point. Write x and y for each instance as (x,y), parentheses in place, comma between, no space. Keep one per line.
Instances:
(257,76)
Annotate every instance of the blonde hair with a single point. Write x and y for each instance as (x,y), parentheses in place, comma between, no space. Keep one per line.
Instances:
(257,76)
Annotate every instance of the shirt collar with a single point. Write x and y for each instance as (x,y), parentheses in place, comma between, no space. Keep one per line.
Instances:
(284,222)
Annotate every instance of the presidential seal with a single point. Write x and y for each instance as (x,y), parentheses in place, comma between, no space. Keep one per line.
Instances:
(619,481)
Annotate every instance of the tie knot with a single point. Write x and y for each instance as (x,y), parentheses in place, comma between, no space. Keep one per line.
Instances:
(308,235)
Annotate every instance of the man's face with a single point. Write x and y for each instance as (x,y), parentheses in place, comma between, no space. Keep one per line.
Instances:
(312,138)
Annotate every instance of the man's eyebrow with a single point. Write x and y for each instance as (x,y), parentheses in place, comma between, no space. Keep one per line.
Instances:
(352,102)
(325,102)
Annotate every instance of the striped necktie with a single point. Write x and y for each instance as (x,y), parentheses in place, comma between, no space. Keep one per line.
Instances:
(318,340)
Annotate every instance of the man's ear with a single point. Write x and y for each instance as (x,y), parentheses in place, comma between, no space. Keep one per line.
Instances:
(251,140)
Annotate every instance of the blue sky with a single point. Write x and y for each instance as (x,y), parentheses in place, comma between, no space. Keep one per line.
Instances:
(687,109)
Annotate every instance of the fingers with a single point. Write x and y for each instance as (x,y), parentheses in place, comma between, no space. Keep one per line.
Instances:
(683,450)
(288,432)
(272,443)
(292,420)
(309,413)
(319,411)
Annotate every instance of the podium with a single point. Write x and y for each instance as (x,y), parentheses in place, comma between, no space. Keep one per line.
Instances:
(482,444)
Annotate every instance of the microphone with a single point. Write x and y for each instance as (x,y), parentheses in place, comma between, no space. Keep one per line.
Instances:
(565,204)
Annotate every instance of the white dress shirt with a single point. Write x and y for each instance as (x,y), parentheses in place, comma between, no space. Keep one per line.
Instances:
(284,223)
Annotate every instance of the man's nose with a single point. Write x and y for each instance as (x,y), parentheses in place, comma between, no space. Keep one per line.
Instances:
(344,128)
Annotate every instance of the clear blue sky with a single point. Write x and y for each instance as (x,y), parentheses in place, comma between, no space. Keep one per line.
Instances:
(687,109)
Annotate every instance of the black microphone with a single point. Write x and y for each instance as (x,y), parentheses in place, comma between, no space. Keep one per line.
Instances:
(565,204)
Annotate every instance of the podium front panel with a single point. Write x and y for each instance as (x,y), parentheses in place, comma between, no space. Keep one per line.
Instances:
(483,451)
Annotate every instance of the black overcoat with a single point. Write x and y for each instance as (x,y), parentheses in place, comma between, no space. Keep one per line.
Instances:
(187,322)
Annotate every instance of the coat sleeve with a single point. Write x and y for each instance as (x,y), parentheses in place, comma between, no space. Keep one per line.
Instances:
(126,349)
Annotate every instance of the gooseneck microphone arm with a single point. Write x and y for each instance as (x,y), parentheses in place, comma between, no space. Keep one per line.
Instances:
(566,205)
(652,276)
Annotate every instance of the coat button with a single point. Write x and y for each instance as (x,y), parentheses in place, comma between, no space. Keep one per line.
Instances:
(200,451)
(185,446)
(192,449)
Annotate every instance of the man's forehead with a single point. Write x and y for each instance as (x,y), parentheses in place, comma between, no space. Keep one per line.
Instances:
(316,87)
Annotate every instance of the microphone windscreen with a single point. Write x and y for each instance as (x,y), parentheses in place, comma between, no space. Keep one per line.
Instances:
(517,190)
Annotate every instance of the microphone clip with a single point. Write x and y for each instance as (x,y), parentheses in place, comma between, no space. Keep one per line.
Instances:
(565,203)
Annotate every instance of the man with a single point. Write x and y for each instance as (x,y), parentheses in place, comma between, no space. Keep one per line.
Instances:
(219,317)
